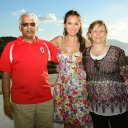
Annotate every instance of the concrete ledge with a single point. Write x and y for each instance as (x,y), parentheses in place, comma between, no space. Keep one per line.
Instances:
(0,86)
(52,79)
(0,89)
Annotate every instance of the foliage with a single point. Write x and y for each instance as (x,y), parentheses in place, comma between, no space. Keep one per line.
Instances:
(0,75)
(52,67)
(4,41)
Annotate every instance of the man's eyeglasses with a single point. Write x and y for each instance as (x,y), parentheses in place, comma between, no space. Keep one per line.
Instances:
(26,24)
(96,65)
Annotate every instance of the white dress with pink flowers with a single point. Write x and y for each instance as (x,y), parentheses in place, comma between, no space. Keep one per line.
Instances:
(70,94)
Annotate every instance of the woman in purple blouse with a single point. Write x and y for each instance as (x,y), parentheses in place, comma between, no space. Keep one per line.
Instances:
(107,76)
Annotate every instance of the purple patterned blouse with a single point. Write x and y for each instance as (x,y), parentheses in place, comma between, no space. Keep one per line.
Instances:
(107,94)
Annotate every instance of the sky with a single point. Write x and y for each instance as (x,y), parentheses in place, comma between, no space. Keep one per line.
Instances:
(50,14)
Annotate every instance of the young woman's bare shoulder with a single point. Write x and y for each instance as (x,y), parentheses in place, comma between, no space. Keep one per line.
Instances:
(56,40)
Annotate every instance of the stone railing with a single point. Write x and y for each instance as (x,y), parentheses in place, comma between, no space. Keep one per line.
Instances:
(0,87)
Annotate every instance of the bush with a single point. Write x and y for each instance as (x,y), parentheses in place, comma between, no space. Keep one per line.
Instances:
(51,68)
(0,75)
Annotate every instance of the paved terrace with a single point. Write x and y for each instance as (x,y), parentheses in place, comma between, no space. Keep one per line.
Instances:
(5,122)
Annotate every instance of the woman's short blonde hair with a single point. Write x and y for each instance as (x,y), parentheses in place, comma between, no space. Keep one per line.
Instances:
(92,25)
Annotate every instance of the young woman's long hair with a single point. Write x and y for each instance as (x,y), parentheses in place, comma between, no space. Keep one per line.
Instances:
(79,34)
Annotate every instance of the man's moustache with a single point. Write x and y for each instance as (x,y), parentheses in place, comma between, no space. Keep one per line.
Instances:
(30,30)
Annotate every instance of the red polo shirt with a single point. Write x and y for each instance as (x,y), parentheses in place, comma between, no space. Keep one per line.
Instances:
(27,64)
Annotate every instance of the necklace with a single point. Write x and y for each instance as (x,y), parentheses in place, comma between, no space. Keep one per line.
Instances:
(95,54)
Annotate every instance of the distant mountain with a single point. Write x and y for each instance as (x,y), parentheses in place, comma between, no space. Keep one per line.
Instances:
(119,44)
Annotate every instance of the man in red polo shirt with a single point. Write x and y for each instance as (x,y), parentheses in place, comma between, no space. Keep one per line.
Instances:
(24,61)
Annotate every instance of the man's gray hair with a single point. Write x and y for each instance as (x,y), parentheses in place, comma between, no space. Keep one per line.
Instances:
(30,15)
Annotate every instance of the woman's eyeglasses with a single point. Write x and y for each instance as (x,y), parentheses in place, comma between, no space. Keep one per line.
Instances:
(26,24)
(96,65)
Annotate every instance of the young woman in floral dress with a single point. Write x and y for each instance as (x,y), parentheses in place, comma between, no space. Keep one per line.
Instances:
(70,94)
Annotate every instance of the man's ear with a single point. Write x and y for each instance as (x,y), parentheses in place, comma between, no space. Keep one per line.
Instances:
(37,28)
(20,28)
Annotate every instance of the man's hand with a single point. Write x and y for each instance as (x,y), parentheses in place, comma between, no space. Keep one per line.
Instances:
(8,108)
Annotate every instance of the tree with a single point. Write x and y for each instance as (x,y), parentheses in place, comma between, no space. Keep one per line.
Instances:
(4,41)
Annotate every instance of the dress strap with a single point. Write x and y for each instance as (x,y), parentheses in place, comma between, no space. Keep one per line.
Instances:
(60,42)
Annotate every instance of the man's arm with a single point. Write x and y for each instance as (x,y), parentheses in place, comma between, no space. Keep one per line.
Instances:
(8,109)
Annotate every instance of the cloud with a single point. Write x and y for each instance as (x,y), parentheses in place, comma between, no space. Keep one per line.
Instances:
(84,26)
(59,22)
(18,12)
(116,28)
(40,29)
(48,18)
(119,26)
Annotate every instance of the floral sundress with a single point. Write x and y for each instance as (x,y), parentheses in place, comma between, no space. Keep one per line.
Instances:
(70,94)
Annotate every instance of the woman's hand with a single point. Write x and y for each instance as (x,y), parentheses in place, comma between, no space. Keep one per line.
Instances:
(57,68)
(126,82)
